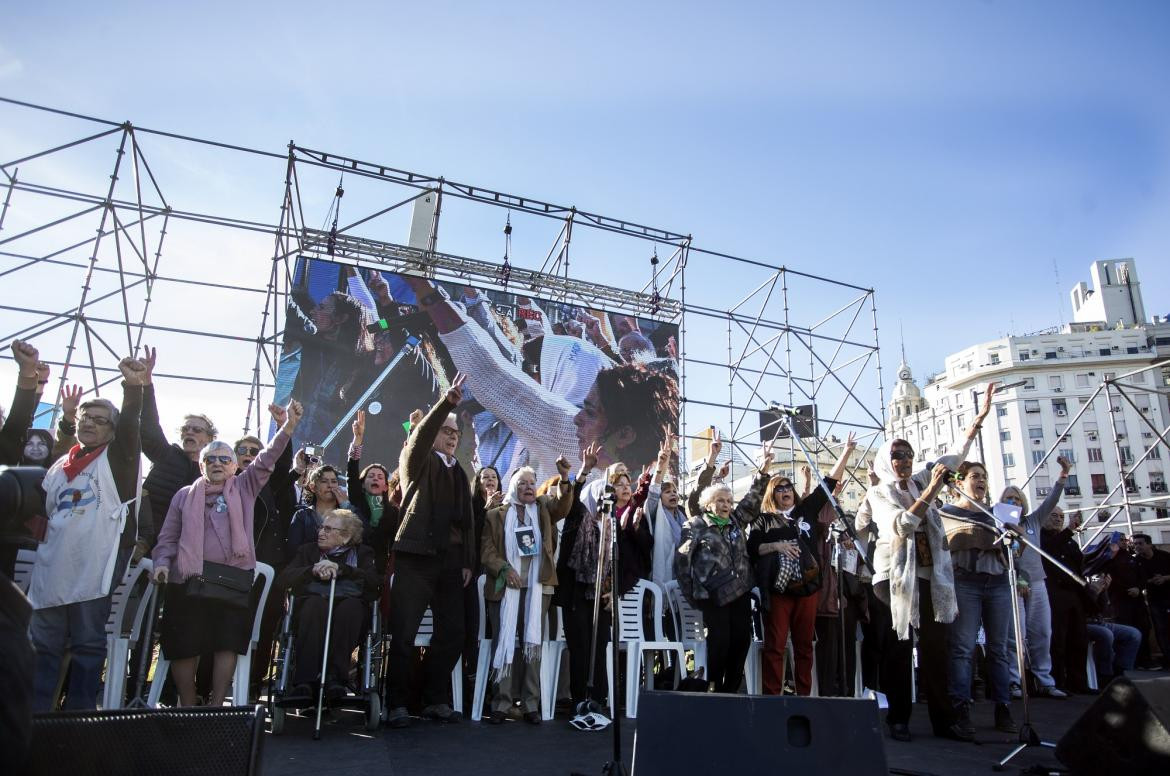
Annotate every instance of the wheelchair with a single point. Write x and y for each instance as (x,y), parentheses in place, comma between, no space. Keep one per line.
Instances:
(368,680)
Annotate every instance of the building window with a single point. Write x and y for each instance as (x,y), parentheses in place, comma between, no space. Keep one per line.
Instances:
(1126,455)
(1100,485)
(1049,354)
(1009,460)
(1031,405)
(1029,383)
(1138,377)
(1067,452)
(1005,436)
(1035,432)
(1001,411)
(1025,355)
(1155,454)
(1094,455)
(1072,487)
(1082,381)
(1037,457)
(1056,382)
(994,358)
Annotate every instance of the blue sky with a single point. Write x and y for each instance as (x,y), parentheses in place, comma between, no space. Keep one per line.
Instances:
(950,154)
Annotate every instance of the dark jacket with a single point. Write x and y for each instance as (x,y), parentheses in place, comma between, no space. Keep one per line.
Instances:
(298,574)
(427,482)
(16,424)
(171,469)
(712,563)
(552,509)
(274,505)
(772,527)
(566,578)
(376,536)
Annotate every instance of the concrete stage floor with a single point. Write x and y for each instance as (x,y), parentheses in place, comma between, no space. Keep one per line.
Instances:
(519,749)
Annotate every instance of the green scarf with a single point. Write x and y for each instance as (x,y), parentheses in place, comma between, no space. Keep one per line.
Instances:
(720,522)
(375,503)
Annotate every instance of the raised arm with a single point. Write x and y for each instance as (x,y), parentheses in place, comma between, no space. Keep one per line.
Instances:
(353,463)
(24,402)
(422,437)
(706,475)
(154,441)
(254,476)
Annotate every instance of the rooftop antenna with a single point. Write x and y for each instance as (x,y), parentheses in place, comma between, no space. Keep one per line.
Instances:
(902,339)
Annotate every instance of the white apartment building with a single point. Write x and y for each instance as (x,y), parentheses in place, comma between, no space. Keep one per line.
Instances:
(1054,375)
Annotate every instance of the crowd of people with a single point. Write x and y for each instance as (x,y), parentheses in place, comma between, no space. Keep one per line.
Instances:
(922,563)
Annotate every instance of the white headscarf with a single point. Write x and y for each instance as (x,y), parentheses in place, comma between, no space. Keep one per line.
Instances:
(533,593)
(569,366)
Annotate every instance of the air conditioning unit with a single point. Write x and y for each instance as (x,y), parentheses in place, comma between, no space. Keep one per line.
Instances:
(1061,413)
(1058,390)
(1037,441)
(1147,435)
(1042,492)
(1146,410)
(1060,350)
(1092,436)
(1035,352)
(1121,436)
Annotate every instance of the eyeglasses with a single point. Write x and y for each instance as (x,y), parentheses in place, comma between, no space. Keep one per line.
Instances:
(209,459)
(449,431)
(901,455)
(246,450)
(328,529)
(192,429)
(97,420)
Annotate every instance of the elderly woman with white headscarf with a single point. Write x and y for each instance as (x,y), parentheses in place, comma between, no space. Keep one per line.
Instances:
(519,550)
(914,576)
(206,553)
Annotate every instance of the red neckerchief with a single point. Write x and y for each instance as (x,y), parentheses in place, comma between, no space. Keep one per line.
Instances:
(76,462)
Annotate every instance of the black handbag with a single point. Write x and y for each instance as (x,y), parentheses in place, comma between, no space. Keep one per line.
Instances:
(223,584)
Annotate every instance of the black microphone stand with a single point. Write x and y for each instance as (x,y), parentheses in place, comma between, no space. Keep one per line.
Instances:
(1005,536)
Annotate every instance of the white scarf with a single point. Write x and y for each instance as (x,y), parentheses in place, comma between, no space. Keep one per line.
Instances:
(534,593)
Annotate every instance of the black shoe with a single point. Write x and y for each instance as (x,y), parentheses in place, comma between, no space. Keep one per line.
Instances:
(532,717)
(441,712)
(302,692)
(498,716)
(962,729)
(334,691)
(1003,719)
(398,717)
(899,731)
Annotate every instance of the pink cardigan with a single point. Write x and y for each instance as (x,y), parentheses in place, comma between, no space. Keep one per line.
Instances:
(173,545)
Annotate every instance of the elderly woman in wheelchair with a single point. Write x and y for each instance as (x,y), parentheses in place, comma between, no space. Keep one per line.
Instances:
(338,557)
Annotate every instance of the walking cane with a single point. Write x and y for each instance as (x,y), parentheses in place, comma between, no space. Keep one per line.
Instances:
(325,659)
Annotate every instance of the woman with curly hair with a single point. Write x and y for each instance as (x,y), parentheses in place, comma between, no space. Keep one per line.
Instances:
(322,496)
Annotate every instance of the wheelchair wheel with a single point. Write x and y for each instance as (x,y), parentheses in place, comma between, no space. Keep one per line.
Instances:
(373,712)
(277,720)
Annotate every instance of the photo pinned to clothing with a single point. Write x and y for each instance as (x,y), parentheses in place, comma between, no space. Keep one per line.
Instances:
(526,540)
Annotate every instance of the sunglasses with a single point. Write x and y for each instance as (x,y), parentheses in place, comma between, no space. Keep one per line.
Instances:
(192,429)
(217,459)
(246,450)
(784,489)
(901,455)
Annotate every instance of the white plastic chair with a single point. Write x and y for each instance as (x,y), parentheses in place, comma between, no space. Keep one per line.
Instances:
(123,628)
(551,652)
(632,638)
(688,624)
(483,660)
(241,678)
(22,574)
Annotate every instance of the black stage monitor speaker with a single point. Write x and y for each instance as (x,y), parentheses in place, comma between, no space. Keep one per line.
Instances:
(176,742)
(682,733)
(1125,731)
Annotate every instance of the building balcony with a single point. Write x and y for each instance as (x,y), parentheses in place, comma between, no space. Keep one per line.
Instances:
(1100,490)
(1073,491)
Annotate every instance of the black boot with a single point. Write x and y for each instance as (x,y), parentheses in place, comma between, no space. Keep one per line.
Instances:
(961,728)
(1003,719)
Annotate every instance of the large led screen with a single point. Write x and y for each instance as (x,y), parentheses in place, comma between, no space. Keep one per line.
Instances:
(544,378)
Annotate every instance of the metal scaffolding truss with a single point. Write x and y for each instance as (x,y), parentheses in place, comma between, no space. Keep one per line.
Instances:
(792,336)
(1114,390)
